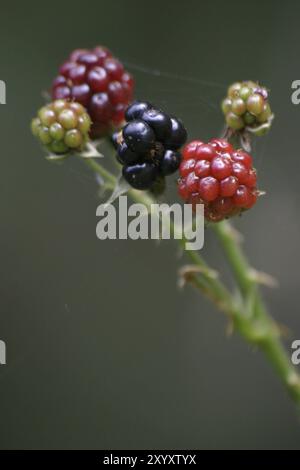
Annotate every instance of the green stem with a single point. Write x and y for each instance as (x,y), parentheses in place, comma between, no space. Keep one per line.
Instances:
(260,327)
(236,257)
(281,362)
(109,178)
(204,279)
(256,326)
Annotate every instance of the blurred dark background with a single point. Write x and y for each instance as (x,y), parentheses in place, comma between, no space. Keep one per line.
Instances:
(103,350)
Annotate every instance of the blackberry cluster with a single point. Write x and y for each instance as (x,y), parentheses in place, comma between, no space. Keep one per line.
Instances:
(218,176)
(246,105)
(148,145)
(62,126)
(98,81)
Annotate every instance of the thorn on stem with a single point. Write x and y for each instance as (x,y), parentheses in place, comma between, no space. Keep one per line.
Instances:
(263,278)
(91,151)
(188,272)
(52,157)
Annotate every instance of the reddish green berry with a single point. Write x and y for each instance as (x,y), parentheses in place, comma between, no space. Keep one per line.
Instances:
(84,123)
(62,126)
(247,106)
(249,118)
(233,90)
(238,106)
(67,118)
(56,130)
(226,105)
(218,176)
(58,146)
(35,126)
(44,135)
(255,104)
(265,114)
(73,138)
(245,92)
(59,105)
(234,121)
(47,116)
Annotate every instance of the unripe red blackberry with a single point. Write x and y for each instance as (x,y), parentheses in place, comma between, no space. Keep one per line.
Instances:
(246,106)
(62,126)
(99,82)
(218,176)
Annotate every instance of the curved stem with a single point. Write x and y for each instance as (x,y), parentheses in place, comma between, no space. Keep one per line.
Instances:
(203,279)
(105,174)
(277,355)
(236,257)
(262,329)
(250,317)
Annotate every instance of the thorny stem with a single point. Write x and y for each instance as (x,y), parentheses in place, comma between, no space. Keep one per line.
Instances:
(237,259)
(203,278)
(262,329)
(247,314)
(108,177)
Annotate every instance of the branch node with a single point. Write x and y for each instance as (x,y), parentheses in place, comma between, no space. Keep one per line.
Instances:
(186,273)
(262,278)
(90,151)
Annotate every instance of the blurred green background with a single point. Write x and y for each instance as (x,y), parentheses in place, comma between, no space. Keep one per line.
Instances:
(103,350)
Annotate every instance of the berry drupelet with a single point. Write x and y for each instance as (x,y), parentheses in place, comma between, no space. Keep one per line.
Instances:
(148,145)
(218,176)
(99,82)
(247,106)
(62,126)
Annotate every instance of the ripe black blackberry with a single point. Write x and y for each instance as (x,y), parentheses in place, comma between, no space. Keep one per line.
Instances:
(148,145)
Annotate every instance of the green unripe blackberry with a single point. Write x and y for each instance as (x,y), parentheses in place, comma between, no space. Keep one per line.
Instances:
(265,115)
(245,92)
(62,126)
(255,104)
(246,106)
(226,105)
(238,106)
(73,138)
(234,121)
(67,118)
(233,90)
(35,126)
(44,135)
(249,118)
(56,130)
